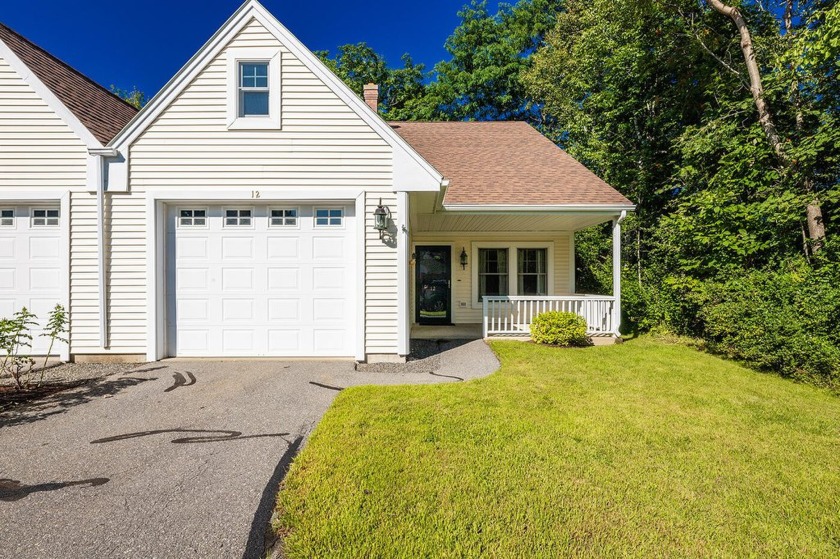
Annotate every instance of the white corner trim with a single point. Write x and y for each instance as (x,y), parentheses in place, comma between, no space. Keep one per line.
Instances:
(361,273)
(46,94)
(252,9)
(274,59)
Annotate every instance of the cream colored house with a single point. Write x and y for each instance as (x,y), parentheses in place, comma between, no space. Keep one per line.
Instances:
(258,207)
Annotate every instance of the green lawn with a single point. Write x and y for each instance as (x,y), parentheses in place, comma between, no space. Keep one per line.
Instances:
(641,449)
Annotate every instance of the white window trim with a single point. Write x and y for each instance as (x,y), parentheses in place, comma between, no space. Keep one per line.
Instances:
(238,217)
(14,217)
(273,58)
(178,223)
(315,217)
(284,226)
(44,208)
(513,265)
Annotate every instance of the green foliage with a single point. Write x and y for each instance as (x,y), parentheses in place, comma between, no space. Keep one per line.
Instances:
(56,330)
(15,341)
(488,53)
(133,97)
(559,328)
(359,64)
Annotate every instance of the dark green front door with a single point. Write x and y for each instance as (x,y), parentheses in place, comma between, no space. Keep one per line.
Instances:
(434,278)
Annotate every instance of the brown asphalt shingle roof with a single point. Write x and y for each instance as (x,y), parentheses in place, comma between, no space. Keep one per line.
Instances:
(504,163)
(102,112)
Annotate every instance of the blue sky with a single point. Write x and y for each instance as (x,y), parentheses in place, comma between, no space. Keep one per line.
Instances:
(143,44)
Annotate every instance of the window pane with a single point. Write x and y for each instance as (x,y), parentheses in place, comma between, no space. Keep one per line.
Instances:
(254,103)
(254,74)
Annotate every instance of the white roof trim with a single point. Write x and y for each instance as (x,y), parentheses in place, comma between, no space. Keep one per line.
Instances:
(541,208)
(46,94)
(219,40)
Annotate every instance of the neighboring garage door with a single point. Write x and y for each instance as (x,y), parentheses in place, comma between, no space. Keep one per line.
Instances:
(30,264)
(261,280)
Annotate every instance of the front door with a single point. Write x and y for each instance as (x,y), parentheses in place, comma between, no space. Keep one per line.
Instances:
(434,275)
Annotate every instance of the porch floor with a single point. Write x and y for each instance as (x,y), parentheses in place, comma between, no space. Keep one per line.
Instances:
(447,332)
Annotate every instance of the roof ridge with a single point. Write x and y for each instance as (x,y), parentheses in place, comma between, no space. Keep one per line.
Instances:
(66,65)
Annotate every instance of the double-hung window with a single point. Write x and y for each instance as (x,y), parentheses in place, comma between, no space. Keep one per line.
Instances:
(254,91)
(253,88)
(492,272)
(532,271)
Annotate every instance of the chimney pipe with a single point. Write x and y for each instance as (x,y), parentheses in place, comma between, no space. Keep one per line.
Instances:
(371,94)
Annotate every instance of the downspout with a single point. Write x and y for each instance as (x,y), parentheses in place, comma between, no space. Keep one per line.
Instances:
(100,155)
(617,272)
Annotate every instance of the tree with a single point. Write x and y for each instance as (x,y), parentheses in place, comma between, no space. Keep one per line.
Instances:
(482,79)
(359,64)
(133,97)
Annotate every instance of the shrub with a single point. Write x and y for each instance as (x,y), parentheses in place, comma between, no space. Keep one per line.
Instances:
(559,328)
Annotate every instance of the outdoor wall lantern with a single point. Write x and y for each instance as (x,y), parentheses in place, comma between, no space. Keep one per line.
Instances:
(380,218)
(463,258)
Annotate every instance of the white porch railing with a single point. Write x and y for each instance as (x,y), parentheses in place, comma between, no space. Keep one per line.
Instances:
(512,315)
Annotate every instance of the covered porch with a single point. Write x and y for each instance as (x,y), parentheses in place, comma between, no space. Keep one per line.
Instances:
(487,272)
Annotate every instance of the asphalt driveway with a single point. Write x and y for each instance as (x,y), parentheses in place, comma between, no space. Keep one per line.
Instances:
(178,458)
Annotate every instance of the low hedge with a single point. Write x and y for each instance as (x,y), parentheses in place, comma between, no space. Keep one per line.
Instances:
(559,328)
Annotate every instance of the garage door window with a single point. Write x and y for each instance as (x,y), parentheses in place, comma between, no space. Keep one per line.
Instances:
(329,217)
(237,218)
(7,218)
(45,218)
(192,218)
(284,217)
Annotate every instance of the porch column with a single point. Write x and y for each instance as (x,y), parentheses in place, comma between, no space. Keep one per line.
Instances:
(402,238)
(616,242)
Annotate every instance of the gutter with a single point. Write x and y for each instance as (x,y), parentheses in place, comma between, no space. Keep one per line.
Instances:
(101,154)
(570,208)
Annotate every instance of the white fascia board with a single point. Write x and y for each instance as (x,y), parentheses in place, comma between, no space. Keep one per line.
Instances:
(411,171)
(45,93)
(534,208)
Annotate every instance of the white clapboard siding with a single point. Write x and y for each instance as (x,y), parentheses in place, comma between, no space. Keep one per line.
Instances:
(462,288)
(381,325)
(323,144)
(39,150)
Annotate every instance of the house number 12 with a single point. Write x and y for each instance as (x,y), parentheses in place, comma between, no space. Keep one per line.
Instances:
(255,194)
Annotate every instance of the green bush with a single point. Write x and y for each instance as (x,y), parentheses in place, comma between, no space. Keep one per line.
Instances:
(782,320)
(559,328)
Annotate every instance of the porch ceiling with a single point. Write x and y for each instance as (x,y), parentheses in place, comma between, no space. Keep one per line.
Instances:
(505,222)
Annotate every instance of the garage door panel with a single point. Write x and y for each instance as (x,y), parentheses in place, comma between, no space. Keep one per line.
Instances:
(31,268)
(265,290)
(7,247)
(282,248)
(283,279)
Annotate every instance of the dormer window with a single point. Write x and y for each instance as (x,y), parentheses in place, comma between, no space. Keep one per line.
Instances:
(253,85)
(254,92)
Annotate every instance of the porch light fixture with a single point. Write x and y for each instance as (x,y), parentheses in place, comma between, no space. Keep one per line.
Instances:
(463,258)
(380,218)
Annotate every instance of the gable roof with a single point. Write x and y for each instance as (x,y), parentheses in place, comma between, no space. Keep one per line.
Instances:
(505,164)
(413,172)
(100,111)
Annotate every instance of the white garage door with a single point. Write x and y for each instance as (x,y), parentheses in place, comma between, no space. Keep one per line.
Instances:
(264,280)
(30,264)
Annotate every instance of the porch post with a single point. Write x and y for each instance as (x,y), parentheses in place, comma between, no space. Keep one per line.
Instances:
(403,271)
(616,242)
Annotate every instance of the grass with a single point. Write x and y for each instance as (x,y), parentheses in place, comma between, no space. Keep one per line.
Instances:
(643,449)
